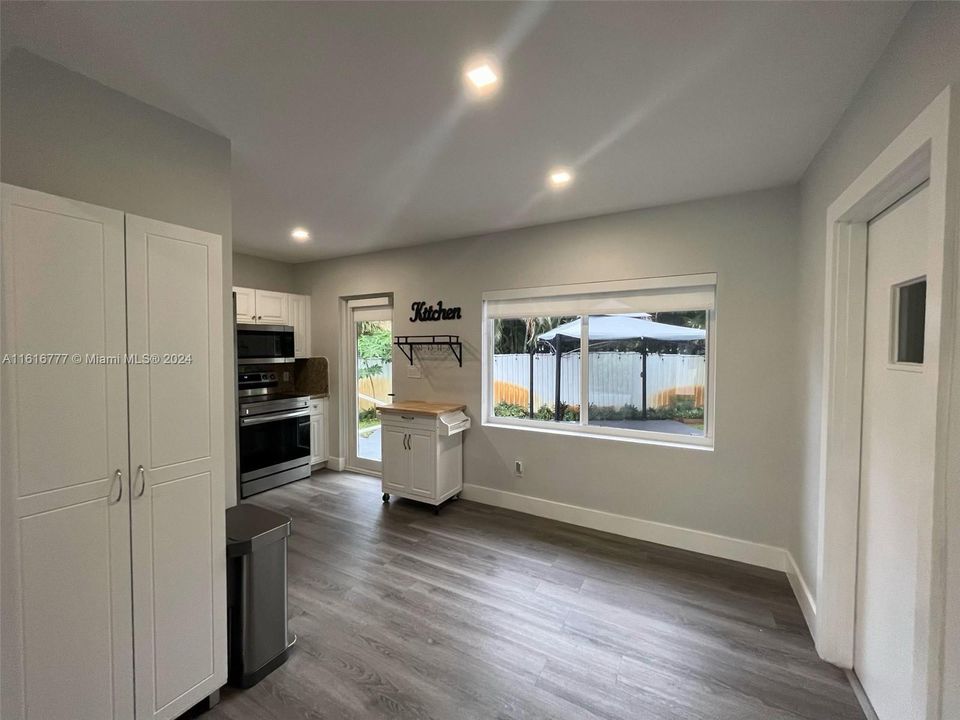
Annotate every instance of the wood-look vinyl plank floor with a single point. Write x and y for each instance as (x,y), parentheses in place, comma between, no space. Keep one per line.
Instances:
(486,613)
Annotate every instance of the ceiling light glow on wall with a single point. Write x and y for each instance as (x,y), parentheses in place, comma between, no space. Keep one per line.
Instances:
(481,76)
(300,234)
(560,177)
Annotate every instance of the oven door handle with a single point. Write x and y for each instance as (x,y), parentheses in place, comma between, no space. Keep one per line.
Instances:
(259,419)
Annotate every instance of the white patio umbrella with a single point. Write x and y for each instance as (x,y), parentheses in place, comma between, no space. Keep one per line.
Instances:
(616,327)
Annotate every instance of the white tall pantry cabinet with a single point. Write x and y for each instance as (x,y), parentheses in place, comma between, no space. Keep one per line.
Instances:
(113,472)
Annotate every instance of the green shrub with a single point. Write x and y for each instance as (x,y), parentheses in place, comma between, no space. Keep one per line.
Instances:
(505,409)
(545,412)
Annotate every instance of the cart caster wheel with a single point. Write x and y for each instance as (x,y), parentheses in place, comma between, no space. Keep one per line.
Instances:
(386,497)
(457,496)
(436,509)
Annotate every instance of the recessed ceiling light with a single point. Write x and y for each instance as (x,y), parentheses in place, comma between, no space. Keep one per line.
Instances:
(560,177)
(301,234)
(481,75)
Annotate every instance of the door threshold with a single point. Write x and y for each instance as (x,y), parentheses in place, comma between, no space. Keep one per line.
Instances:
(363,471)
(861,694)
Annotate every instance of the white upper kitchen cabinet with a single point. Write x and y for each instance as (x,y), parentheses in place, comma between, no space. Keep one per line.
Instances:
(246,304)
(266,307)
(272,307)
(299,316)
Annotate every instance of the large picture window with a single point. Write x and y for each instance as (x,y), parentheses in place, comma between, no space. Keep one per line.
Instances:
(629,359)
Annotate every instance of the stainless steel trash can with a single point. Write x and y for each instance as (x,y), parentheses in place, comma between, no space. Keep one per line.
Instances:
(257,635)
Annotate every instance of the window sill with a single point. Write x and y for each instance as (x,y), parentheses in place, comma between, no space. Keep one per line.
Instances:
(637,438)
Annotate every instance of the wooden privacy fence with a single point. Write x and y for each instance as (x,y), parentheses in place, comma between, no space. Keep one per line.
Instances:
(377,387)
(614,379)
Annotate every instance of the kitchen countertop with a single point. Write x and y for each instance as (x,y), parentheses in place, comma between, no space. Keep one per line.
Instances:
(419,407)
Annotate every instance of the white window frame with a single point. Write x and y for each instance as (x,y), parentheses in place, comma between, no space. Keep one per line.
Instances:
(583,429)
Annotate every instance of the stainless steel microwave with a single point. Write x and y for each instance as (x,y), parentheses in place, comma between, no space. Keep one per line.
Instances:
(264,344)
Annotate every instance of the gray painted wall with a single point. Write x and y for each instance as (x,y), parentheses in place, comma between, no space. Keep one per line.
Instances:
(921,60)
(65,134)
(262,274)
(742,489)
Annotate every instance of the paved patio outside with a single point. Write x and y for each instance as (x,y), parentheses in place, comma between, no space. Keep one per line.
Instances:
(368,443)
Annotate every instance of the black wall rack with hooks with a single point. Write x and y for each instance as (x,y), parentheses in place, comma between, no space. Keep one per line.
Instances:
(407,343)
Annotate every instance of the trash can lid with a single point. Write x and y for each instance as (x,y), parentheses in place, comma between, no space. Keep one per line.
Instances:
(250,527)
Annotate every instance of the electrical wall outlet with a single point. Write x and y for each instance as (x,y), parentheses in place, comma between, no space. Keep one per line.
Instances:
(518,468)
(413,371)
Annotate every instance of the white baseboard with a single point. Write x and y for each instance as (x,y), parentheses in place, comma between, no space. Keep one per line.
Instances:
(336,463)
(808,606)
(745,551)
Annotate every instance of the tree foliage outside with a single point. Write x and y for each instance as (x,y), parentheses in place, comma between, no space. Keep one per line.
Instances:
(514,336)
(374,350)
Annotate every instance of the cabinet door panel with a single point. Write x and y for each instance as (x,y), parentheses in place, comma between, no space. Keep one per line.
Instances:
(67,612)
(174,290)
(299,316)
(396,463)
(423,462)
(272,308)
(67,638)
(246,308)
(183,594)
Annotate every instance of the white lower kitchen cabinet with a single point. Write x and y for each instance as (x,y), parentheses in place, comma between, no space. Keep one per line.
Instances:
(113,603)
(318,430)
(422,451)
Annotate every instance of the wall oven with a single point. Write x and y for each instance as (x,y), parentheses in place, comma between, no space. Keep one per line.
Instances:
(274,444)
(264,344)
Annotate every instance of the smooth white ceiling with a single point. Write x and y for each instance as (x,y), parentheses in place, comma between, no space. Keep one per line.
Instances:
(349,118)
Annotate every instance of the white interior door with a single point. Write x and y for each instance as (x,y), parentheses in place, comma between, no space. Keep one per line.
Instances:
(369,344)
(899,406)
(67,640)
(174,291)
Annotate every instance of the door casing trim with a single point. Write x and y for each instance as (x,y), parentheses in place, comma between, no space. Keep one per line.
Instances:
(345,304)
(925,150)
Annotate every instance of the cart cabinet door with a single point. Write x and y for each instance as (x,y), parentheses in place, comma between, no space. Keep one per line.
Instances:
(396,461)
(423,464)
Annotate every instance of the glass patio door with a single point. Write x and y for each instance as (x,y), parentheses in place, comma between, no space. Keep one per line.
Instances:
(370,328)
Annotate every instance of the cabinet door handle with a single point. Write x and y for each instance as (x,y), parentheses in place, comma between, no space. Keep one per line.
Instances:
(406,441)
(117,480)
(408,417)
(143,480)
